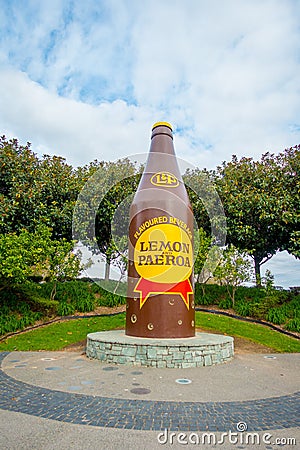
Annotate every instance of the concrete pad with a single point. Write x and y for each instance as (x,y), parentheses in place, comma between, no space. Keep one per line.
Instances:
(247,377)
(23,432)
(253,397)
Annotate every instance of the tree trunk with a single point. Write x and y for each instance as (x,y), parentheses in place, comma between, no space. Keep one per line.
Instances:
(233,295)
(107,269)
(257,262)
(118,283)
(53,292)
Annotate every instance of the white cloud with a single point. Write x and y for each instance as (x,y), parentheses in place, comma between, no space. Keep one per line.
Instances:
(224,73)
(78,131)
(87,79)
(229,69)
(285,268)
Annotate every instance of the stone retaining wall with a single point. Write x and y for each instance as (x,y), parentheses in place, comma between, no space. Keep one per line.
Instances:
(202,350)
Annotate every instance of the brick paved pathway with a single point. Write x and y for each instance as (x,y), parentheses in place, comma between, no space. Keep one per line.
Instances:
(270,413)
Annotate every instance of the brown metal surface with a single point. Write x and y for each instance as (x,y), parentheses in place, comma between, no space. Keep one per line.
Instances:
(160,298)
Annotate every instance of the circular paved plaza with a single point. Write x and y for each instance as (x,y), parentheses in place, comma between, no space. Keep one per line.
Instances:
(259,390)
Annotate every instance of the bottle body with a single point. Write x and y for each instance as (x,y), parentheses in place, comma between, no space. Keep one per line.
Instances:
(160,297)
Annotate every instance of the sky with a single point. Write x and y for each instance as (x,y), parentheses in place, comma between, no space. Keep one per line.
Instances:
(87,79)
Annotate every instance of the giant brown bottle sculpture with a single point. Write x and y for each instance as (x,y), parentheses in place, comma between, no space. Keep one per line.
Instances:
(160,298)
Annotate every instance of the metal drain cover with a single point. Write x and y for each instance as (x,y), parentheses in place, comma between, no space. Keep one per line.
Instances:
(183,381)
(140,391)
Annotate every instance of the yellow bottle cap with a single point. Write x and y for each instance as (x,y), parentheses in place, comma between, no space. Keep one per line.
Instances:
(162,124)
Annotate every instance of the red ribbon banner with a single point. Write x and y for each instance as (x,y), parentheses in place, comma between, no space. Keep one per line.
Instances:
(147,287)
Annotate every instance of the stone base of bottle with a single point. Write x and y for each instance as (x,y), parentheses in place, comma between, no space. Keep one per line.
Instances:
(201,350)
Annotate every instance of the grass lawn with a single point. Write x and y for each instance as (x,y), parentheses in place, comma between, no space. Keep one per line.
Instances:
(252,331)
(59,335)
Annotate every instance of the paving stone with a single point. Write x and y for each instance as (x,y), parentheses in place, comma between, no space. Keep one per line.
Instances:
(161,364)
(141,350)
(207,360)
(278,412)
(171,351)
(178,355)
(128,351)
(162,351)
(151,353)
(187,364)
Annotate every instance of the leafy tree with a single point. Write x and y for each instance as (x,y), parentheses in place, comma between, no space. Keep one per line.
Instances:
(202,244)
(293,246)
(118,193)
(268,282)
(29,254)
(34,190)
(18,255)
(206,204)
(55,191)
(260,206)
(206,259)
(59,262)
(108,187)
(120,248)
(18,171)
(289,165)
(234,269)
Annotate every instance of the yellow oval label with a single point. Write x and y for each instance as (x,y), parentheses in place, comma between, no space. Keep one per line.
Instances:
(166,179)
(164,254)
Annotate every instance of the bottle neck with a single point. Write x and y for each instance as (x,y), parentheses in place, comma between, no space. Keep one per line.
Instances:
(162,130)
(162,141)
(162,154)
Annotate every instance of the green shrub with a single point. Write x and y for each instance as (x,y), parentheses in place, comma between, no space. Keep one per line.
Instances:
(45,289)
(270,301)
(27,298)
(209,294)
(29,319)
(276,316)
(260,309)
(23,308)
(9,324)
(214,294)
(251,294)
(71,296)
(9,298)
(256,310)
(242,308)
(111,300)
(84,304)
(78,294)
(284,296)
(20,307)
(204,300)
(112,285)
(293,325)
(65,309)
(15,322)
(292,308)
(108,298)
(5,310)
(44,306)
(225,303)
